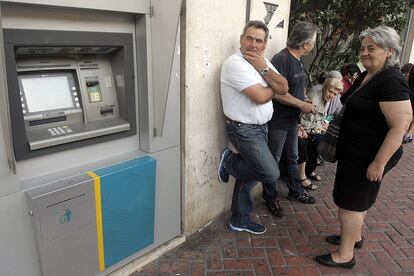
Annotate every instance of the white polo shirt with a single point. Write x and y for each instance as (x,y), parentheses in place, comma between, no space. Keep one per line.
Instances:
(236,75)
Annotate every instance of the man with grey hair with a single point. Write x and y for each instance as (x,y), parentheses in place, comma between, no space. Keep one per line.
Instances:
(283,127)
(248,84)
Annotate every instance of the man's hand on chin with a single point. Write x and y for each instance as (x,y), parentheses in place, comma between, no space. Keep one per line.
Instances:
(255,59)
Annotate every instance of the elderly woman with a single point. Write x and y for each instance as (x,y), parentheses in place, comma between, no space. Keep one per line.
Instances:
(314,125)
(369,145)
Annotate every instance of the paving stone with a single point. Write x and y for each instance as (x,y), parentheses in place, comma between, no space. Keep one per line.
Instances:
(291,242)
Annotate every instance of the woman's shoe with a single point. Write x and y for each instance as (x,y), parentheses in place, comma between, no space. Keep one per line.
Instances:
(327,261)
(315,177)
(336,239)
(308,185)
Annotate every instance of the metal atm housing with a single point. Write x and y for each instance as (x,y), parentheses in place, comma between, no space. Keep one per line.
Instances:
(91,175)
(68,89)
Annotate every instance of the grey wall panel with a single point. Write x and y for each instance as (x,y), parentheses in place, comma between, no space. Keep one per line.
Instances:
(18,254)
(171,125)
(168,195)
(164,25)
(131,6)
(159,90)
(144,84)
(52,18)
(8,181)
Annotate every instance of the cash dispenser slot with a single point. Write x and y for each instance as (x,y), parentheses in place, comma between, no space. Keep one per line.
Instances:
(106,110)
(63,96)
(47,121)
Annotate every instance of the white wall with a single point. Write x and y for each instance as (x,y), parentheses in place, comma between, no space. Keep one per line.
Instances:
(211,31)
(408,51)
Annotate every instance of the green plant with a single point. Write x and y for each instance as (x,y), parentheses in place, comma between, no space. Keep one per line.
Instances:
(341,21)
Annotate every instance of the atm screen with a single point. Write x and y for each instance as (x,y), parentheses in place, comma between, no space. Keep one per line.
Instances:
(45,92)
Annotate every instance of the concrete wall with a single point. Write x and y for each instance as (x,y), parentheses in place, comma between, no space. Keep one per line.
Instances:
(210,33)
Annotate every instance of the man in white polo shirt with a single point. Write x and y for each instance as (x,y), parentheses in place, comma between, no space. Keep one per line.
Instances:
(248,84)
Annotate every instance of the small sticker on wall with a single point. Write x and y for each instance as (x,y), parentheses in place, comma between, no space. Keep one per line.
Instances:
(206,60)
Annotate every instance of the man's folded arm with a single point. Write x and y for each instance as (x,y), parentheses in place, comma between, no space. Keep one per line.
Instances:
(258,93)
(277,82)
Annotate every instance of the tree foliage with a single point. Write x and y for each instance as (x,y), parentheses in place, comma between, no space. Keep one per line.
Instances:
(341,21)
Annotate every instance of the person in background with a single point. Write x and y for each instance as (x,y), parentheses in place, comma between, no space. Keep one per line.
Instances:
(335,104)
(248,83)
(283,127)
(314,125)
(369,143)
(318,87)
(405,70)
(349,73)
(408,137)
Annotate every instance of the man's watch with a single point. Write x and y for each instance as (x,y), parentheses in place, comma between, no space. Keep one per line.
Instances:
(265,71)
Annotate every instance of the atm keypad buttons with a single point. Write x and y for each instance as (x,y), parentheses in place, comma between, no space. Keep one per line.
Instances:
(51,131)
(75,94)
(95,97)
(56,131)
(67,129)
(76,99)
(73,88)
(77,105)
(60,130)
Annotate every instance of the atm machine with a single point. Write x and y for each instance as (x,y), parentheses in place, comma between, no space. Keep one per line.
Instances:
(63,92)
(89,134)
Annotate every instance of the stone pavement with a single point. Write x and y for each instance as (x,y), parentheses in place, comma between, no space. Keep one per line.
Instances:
(289,243)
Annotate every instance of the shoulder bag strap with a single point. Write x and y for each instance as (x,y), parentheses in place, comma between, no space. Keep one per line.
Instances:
(362,85)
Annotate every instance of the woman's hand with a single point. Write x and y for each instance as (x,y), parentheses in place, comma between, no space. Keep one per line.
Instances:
(325,126)
(302,132)
(375,171)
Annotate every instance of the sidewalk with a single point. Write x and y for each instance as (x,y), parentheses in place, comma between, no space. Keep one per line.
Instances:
(289,243)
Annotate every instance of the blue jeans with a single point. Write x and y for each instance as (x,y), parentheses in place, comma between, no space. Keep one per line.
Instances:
(286,141)
(254,162)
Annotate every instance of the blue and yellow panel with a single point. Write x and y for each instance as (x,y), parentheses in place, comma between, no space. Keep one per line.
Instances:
(125,203)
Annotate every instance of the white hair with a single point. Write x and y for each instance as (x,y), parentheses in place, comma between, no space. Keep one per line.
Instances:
(386,38)
(334,74)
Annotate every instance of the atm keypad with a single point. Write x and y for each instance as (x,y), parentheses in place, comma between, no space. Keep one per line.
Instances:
(55,131)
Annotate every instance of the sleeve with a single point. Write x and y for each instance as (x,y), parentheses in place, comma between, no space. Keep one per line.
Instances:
(394,87)
(280,65)
(271,66)
(238,74)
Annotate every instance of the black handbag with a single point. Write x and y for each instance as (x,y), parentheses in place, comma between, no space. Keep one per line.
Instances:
(327,145)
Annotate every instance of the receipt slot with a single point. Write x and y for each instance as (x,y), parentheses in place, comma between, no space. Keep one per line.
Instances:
(68,89)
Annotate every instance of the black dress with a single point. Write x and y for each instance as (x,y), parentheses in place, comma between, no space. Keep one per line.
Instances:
(363,130)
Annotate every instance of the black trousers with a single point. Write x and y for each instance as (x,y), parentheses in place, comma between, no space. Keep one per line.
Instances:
(308,152)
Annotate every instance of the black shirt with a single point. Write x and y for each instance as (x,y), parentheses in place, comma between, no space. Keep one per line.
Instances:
(363,127)
(284,116)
